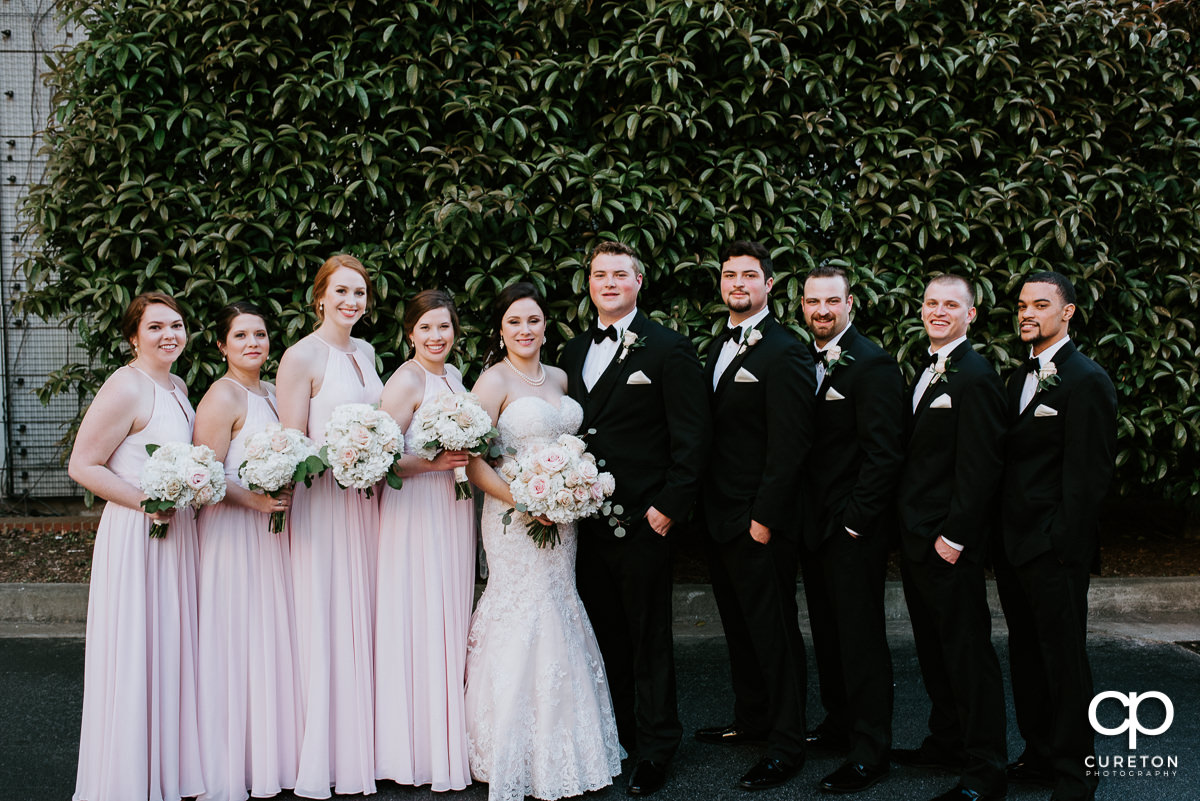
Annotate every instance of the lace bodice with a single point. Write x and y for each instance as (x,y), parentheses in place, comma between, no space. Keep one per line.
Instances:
(532,419)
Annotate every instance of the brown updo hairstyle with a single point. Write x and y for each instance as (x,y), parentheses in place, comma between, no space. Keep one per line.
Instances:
(132,318)
(426,301)
(507,297)
(227,315)
(331,265)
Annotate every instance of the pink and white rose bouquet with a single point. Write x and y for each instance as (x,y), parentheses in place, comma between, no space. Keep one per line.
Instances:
(560,482)
(362,443)
(453,421)
(276,458)
(178,475)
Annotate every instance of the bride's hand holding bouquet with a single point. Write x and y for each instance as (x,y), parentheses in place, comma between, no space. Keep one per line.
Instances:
(559,482)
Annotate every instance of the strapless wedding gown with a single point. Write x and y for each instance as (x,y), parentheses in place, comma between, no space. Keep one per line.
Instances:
(539,715)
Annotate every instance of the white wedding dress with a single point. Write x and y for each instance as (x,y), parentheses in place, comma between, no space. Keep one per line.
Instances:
(539,715)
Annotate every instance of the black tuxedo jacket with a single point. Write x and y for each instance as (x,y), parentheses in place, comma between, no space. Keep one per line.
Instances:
(955,459)
(1060,456)
(652,434)
(762,430)
(850,475)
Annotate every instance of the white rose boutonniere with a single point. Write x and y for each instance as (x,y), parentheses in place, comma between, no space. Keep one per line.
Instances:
(751,338)
(1046,377)
(629,341)
(834,356)
(941,370)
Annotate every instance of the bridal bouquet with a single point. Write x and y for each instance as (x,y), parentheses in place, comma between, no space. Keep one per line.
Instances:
(361,445)
(276,458)
(454,421)
(559,481)
(177,475)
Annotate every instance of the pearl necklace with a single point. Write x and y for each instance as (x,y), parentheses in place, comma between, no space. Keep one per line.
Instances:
(533,382)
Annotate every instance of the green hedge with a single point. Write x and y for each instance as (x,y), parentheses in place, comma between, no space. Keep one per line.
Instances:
(221,150)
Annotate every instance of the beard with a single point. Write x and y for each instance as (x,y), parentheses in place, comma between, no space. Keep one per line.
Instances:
(739,305)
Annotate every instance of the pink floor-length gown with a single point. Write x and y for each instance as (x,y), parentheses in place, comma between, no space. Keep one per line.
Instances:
(334,545)
(139,737)
(426,584)
(249,693)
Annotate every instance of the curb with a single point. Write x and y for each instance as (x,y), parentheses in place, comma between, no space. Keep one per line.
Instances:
(1108,599)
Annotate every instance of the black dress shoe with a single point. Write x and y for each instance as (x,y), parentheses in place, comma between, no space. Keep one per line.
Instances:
(1028,770)
(648,777)
(926,758)
(852,777)
(733,734)
(767,772)
(961,793)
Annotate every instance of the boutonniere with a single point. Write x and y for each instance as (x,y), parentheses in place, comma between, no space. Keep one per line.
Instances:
(941,370)
(835,356)
(629,341)
(1046,377)
(752,338)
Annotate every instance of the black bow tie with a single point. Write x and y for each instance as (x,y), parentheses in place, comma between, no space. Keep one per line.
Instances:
(732,332)
(932,361)
(823,357)
(1033,364)
(600,334)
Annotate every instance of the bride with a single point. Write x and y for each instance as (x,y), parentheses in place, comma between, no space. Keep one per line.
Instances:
(539,716)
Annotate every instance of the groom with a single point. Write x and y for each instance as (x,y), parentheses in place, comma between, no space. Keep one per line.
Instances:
(642,390)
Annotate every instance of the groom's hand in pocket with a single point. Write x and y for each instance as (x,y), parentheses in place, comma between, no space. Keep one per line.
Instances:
(759,533)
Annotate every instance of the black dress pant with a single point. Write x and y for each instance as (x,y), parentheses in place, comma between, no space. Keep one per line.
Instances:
(952,626)
(1045,604)
(626,588)
(755,589)
(843,586)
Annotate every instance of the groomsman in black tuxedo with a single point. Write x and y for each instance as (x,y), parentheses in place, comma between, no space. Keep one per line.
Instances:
(947,502)
(1059,460)
(760,380)
(849,482)
(642,390)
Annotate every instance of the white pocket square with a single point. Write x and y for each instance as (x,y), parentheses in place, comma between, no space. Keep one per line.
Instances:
(833,394)
(1044,411)
(744,376)
(638,378)
(941,402)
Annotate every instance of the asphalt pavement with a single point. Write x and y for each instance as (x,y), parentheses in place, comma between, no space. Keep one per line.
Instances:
(41,686)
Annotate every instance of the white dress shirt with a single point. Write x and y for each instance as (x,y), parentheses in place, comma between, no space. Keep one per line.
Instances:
(600,354)
(821,369)
(1044,358)
(730,348)
(927,375)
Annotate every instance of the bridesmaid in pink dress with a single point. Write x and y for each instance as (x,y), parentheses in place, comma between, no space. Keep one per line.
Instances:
(139,735)
(334,545)
(249,695)
(426,569)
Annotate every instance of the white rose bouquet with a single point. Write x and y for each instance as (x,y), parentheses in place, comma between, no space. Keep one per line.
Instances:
(454,421)
(361,445)
(560,482)
(178,475)
(276,458)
